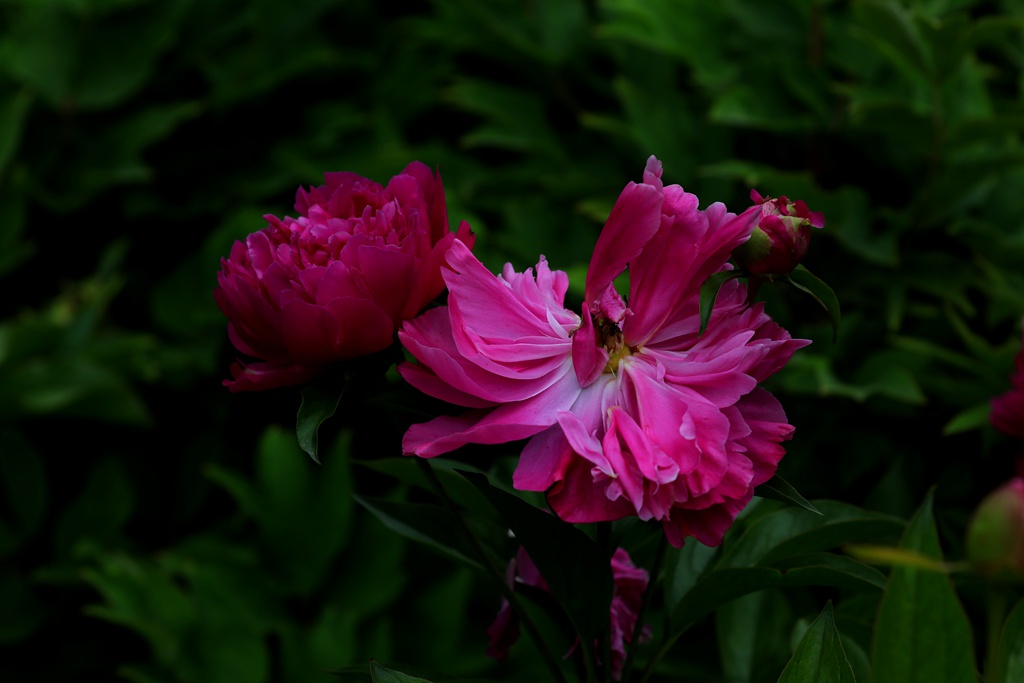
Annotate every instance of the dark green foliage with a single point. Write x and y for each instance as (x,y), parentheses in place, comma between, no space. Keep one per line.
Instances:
(157,528)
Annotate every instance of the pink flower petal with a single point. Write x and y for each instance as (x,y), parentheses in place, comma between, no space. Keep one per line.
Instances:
(634,219)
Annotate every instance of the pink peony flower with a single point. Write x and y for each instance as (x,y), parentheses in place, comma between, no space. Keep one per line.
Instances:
(781,238)
(630,582)
(336,282)
(630,413)
(1008,409)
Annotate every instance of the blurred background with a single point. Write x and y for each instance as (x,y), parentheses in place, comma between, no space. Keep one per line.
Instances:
(155,527)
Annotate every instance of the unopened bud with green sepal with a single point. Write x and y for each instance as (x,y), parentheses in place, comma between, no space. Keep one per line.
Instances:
(781,238)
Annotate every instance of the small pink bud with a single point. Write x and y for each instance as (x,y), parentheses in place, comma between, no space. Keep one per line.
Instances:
(780,240)
(995,535)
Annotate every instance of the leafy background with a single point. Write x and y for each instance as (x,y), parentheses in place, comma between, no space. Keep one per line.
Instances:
(155,528)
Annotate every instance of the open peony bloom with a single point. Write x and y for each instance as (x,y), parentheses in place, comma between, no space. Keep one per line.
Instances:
(1008,409)
(781,238)
(336,282)
(630,413)
(630,582)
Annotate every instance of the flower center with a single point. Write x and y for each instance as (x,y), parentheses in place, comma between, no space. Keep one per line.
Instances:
(610,337)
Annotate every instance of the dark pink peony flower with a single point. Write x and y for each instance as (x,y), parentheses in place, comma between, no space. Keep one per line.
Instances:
(995,535)
(780,240)
(336,282)
(630,582)
(1008,409)
(630,412)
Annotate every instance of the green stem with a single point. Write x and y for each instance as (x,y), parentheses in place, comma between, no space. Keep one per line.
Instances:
(494,572)
(659,559)
(997,605)
(604,542)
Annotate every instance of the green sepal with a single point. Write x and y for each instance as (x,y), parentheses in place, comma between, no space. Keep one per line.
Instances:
(709,292)
(805,281)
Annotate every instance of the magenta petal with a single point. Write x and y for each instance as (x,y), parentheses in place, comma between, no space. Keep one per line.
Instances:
(389,274)
(259,376)
(766,419)
(634,219)
(429,338)
(707,525)
(588,358)
(690,247)
(487,303)
(507,422)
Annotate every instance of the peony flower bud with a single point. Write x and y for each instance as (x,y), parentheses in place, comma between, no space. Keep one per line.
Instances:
(336,282)
(995,535)
(780,240)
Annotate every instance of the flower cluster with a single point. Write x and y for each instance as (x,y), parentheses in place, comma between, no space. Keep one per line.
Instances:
(335,283)
(630,582)
(629,411)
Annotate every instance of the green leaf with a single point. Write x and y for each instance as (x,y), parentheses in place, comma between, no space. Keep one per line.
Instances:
(782,548)
(1010,655)
(431,525)
(577,571)
(719,586)
(12,118)
(381,675)
(820,655)
(968,419)
(752,634)
(319,402)
(23,613)
(779,489)
(805,281)
(466,497)
(23,482)
(682,569)
(921,633)
(709,292)
(793,531)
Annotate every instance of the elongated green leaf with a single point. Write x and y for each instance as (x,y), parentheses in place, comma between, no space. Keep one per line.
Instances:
(794,531)
(683,567)
(709,292)
(922,634)
(431,525)
(577,571)
(782,548)
(319,401)
(752,631)
(779,489)
(405,469)
(968,419)
(820,655)
(805,281)
(379,674)
(1010,656)
(719,586)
